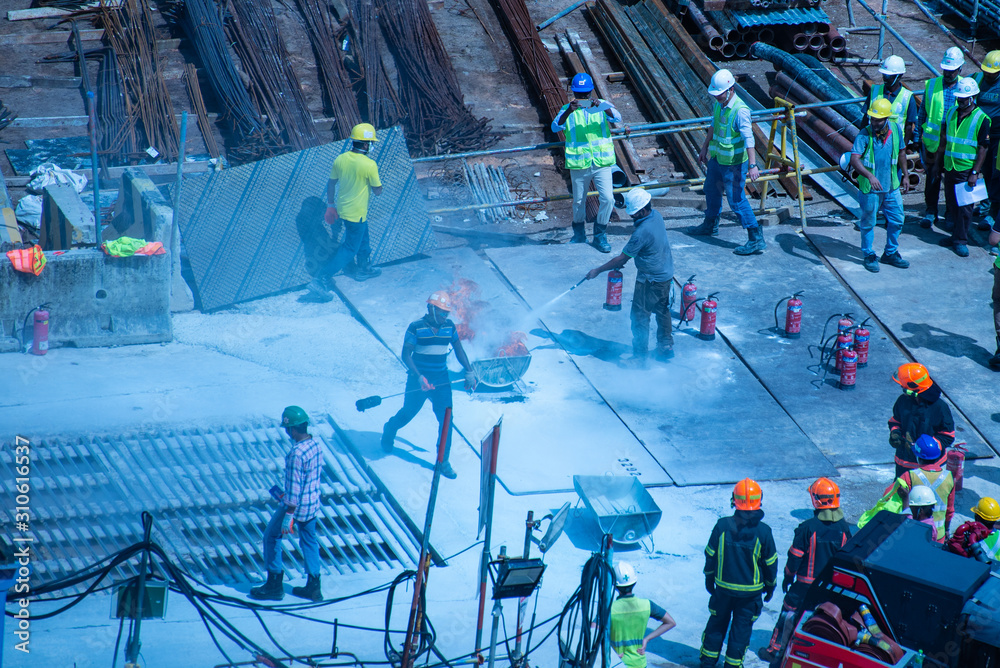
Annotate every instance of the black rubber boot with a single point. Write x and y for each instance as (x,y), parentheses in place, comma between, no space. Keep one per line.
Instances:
(272,590)
(755,242)
(312,591)
(709,228)
(365,270)
(995,360)
(388,438)
(579,234)
(600,241)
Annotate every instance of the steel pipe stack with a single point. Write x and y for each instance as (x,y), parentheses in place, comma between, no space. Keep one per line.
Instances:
(988,15)
(731,32)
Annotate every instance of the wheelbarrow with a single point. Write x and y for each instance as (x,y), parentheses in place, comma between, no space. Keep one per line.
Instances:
(620,504)
(501,372)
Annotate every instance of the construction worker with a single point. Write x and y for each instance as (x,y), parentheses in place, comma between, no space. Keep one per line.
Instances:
(879,157)
(741,563)
(985,514)
(989,101)
(727,150)
(932,474)
(629,618)
(921,502)
(816,540)
(297,509)
(965,138)
(590,156)
(939,97)
(353,179)
(654,265)
(993,241)
(904,104)
(425,355)
(918,410)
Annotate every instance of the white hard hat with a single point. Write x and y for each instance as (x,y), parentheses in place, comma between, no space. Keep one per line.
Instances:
(635,200)
(624,574)
(953,59)
(922,495)
(845,161)
(966,87)
(721,82)
(893,65)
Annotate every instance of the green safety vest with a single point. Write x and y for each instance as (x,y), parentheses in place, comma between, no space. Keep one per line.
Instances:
(727,146)
(868,159)
(962,140)
(899,105)
(941,484)
(629,617)
(934,106)
(991,545)
(588,140)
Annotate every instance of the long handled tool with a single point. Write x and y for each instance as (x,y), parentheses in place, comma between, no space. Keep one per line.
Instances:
(375,400)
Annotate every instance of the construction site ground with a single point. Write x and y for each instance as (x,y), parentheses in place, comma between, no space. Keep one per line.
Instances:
(748,403)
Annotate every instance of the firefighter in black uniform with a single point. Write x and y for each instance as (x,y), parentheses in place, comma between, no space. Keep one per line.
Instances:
(816,540)
(741,563)
(919,410)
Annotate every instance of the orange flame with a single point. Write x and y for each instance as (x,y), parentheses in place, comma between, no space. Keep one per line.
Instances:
(465,305)
(515,346)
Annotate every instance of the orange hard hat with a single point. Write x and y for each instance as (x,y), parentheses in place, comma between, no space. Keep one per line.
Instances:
(441,300)
(913,377)
(825,494)
(747,495)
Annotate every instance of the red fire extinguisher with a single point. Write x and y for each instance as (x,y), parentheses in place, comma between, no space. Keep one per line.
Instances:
(689,295)
(708,308)
(861,337)
(845,324)
(844,341)
(40,342)
(793,316)
(613,299)
(956,464)
(848,369)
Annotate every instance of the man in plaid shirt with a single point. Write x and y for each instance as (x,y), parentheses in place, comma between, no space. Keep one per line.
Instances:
(298,507)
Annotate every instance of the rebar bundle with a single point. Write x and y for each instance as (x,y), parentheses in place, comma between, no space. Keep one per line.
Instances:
(149,111)
(488,185)
(115,136)
(198,104)
(438,119)
(336,81)
(379,102)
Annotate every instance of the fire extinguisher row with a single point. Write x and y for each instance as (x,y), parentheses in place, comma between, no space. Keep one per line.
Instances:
(847,347)
(689,304)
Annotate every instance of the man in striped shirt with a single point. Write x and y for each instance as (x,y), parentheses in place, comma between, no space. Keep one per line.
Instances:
(298,507)
(425,355)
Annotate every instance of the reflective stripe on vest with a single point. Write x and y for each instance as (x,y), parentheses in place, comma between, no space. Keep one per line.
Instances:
(629,617)
(962,140)
(588,140)
(899,105)
(868,159)
(728,146)
(934,106)
(941,486)
(991,545)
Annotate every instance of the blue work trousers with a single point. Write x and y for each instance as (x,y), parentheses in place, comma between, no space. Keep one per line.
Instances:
(308,542)
(730,179)
(892,206)
(356,243)
(414,400)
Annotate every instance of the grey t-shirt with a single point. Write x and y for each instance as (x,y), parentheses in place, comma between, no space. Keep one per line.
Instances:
(649,247)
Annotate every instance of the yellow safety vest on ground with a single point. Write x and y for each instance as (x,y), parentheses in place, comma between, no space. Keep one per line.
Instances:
(727,146)
(962,140)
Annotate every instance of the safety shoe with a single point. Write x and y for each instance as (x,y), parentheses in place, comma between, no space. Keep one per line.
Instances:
(319,291)
(600,242)
(388,440)
(995,361)
(579,234)
(365,271)
(636,361)
(663,354)
(894,259)
(447,471)
(989,220)
(312,591)
(272,590)
(961,250)
(755,242)
(927,222)
(983,225)
(871,263)
(767,655)
(709,228)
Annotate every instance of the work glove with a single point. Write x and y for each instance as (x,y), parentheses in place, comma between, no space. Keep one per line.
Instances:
(768,593)
(896,439)
(331,215)
(288,525)
(471,381)
(425,384)
(710,584)
(786,584)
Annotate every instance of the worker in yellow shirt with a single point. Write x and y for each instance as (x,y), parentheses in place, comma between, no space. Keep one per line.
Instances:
(353,179)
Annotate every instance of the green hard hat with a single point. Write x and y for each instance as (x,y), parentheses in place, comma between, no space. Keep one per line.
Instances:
(293,416)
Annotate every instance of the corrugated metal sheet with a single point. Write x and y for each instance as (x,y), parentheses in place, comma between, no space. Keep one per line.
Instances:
(765,17)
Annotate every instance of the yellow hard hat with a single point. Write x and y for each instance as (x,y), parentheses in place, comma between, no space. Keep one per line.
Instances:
(881,108)
(363,132)
(991,63)
(988,509)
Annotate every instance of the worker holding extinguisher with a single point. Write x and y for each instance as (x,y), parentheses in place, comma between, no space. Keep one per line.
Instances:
(654,265)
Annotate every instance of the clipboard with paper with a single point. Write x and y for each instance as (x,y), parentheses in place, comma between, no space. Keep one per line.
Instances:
(964,195)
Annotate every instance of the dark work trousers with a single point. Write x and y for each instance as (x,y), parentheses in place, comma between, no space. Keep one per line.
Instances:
(959,216)
(996,303)
(743,612)
(989,167)
(651,298)
(414,400)
(356,242)
(932,180)
(788,617)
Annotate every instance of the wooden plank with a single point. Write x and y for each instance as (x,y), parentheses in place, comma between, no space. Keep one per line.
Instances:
(153,171)
(28,81)
(48,37)
(54,12)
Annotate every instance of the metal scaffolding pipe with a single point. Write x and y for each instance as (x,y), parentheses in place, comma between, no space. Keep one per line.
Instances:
(899,38)
(926,12)
(836,40)
(712,36)
(800,41)
(825,53)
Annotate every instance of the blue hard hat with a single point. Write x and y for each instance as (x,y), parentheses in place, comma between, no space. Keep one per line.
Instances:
(582,83)
(927,447)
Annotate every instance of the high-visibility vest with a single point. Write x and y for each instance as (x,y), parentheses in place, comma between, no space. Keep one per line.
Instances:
(934,107)
(588,140)
(629,617)
(991,545)
(868,159)
(941,483)
(29,260)
(962,140)
(727,146)
(899,105)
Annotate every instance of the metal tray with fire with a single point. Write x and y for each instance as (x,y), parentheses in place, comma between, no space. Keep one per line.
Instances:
(508,367)
(620,504)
